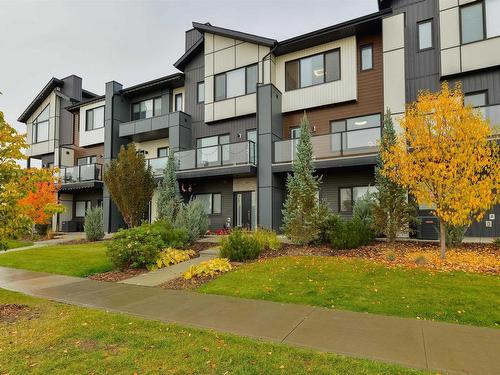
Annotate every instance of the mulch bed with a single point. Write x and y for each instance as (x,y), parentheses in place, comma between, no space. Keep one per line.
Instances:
(115,276)
(11,313)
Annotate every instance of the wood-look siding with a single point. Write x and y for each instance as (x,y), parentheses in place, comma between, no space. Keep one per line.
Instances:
(370,95)
(97,150)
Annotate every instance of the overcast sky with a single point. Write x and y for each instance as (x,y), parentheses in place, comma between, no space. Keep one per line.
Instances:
(132,41)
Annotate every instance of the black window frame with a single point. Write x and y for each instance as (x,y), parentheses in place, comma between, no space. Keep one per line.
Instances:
(483,8)
(211,213)
(218,139)
(224,74)
(198,92)
(324,69)
(351,188)
(87,202)
(160,149)
(86,157)
(361,48)
(153,99)
(431,21)
(87,118)
(34,127)
(176,109)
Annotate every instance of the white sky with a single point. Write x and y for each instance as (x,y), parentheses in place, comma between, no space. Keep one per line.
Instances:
(132,41)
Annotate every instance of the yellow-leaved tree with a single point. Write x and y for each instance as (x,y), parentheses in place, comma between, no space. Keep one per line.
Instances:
(447,158)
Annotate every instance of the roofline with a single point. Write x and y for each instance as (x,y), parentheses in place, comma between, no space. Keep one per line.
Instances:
(153,82)
(246,37)
(181,62)
(90,93)
(51,85)
(328,29)
(84,102)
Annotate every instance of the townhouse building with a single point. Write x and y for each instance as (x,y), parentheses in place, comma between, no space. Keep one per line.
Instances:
(231,114)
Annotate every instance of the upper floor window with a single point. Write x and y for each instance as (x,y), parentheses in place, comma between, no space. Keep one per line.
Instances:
(237,82)
(200,92)
(41,126)
(87,160)
(146,109)
(312,70)
(366,57)
(424,35)
(476,99)
(162,152)
(472,22)
(94,118)
(178,102)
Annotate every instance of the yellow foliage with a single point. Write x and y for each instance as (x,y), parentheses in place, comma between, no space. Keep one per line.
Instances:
(446,158)
(171,256)
(210,267)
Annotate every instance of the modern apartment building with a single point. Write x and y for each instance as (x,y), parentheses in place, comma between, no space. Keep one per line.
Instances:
(231,114)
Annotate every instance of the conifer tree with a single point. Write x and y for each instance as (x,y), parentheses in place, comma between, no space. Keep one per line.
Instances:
(301,211)
(169,199)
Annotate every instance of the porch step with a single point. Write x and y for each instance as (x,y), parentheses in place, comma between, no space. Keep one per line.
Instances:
(163,275)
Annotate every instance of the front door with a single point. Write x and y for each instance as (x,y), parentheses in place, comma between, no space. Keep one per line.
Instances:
(243,209)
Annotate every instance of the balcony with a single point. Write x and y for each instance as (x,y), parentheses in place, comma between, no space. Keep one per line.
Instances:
(80,176)
(153,127)
(334,149)
(232,158)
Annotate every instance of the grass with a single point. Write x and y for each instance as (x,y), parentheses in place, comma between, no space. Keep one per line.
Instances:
(66,339)
(18,243)
(73,260)
(357,285)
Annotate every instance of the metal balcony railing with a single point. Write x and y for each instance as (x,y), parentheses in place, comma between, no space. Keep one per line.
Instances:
(333,145)
(79,173)
(230,154)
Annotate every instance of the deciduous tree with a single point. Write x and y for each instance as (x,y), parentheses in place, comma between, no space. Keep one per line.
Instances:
(130,183)
(41,203)
(446,158)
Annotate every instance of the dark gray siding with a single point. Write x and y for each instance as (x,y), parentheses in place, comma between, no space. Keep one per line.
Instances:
(421,67)
(192,37)
(480,81)
(335,179)
(194,73)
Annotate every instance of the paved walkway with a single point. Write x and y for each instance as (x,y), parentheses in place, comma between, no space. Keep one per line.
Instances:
(453,348)
(163,275)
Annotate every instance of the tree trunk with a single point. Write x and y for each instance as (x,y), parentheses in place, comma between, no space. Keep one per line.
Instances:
(442,239)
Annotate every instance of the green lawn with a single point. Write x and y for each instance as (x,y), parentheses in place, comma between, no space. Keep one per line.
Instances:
(358,285)
(18,243)
(74,260)
(66,339)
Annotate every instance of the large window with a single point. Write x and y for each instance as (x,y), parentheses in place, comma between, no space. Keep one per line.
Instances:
(178,102)
(357,132)
(162,152)
(425,35)
(211,202)
(237,82)
(476,99)
(312,70)
(210,150)
(81,208)
(472,22)
(349,195)
(87,160)
(41,126)
(94,118)
(200,92)
(146,109)
(366,57)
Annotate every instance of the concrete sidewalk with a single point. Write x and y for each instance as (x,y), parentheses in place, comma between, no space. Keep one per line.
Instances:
(66,237)
(165,274)
(453,348)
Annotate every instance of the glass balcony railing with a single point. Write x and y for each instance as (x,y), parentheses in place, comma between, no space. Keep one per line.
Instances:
(328,146)
(238,153)
(78,173)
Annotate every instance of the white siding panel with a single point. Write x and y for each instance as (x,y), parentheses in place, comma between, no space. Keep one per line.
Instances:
(246,54)
(481,54)
(333,92)
(221,42)
(209,43)
(224,109)
(246,104)
(449,28)
(450,61)
(445,4)
(393,32)
(209,89)
(90,137)
(394,80)
(224,60)
(209,112)
(209,64)
(151,147)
